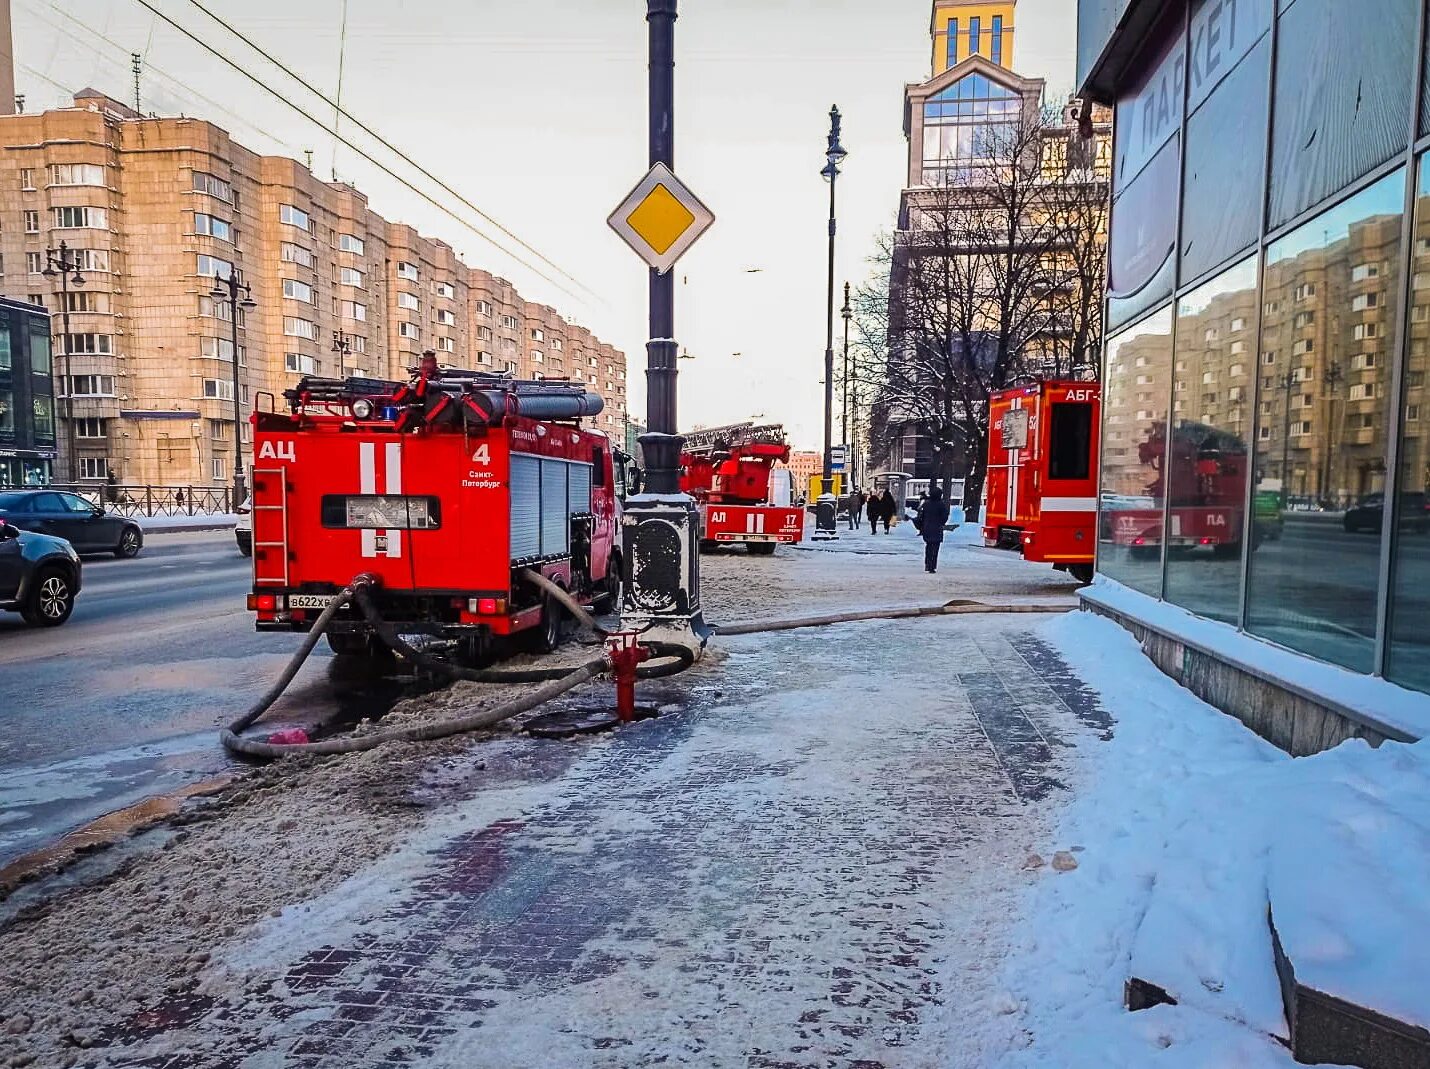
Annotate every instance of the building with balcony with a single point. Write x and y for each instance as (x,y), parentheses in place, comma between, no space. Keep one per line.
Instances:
(157,209)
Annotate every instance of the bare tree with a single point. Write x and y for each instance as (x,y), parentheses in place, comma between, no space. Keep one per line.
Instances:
(994,277)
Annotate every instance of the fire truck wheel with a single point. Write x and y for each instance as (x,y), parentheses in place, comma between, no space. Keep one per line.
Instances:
(609,600)
(760,549)
(546,636)
(346,644)
(1081,572)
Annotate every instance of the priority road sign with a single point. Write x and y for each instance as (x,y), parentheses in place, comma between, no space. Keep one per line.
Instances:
(661,218)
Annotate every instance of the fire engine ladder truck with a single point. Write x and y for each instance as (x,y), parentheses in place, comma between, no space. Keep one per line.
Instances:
(727,470)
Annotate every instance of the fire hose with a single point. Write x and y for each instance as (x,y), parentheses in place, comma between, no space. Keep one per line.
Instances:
(554,681)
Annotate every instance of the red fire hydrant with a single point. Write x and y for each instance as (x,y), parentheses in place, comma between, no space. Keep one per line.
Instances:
(626,656)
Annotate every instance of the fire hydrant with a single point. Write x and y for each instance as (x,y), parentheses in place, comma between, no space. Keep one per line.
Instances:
(626,656)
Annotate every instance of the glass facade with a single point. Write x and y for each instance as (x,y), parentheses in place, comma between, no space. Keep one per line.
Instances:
(1265,461)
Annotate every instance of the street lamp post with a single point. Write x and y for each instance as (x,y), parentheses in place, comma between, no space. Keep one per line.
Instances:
(1288,381)
(228,288)
(826,507)
(343,347)
(61,262)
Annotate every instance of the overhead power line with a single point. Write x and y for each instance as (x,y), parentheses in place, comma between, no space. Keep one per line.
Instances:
(339,111)
(370,158)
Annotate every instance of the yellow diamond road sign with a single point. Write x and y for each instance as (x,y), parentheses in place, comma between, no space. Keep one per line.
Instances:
(661,218)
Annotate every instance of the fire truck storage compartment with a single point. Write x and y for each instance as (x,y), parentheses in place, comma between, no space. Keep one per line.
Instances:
(545,494)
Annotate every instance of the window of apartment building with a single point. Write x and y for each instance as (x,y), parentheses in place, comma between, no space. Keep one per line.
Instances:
(80,217)
(91,259)
(1362,361)
(34,263)
(357,343)
(1237,347)
(593,362)
(222,310)
(1303,319)
(1412,413)
(91,468)
(89,428)
(295,254)
(351,243)
(1361,272)
(509,322)
(557,344)
(444,289)
(27,178)
(300,363)
(213,267)
(484,308)
(1366,330)
(484,333)
(484,357)
(297,291)
(32,221)
(351,276)
(213,186)
(447,345)
(406,270)
(220,469)
(537,334)
(212,226)
(294,327)
(1238,323)
(1303,346)
(87,344)
(221,389)
(353,310)
(1306,289)
(44,422)
(77,174)
(87,386)
(294,217)
(537,356)
(84,301)
(222,349)
(407,300)
(37,299)
(1362,301)
(446,318)
(408,330)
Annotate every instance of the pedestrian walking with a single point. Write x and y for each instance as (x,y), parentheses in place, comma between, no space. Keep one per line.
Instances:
(854,508)
(873,511)
(179,497)
(887,509)
(929,524)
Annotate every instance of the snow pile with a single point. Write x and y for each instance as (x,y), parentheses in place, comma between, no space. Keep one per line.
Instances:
(1191,825)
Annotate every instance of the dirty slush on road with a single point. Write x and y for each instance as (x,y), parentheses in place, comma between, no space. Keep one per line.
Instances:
(105,962)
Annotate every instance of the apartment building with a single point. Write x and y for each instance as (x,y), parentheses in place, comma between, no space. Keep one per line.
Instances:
(154,212)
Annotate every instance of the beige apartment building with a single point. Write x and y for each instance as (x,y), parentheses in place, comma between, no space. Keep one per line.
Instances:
(155,210)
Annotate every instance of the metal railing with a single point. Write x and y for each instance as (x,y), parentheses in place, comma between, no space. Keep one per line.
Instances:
(135,500)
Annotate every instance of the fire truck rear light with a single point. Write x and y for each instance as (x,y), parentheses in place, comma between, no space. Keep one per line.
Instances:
(262,602)
(485,606)
(1139,541)
(1206,541)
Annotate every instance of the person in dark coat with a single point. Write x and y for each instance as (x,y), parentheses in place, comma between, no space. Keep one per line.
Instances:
(855,508)
(887,509)
(873,511)
(930,523)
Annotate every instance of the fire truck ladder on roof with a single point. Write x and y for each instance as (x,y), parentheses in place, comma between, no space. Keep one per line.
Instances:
(261,529)
(712,439)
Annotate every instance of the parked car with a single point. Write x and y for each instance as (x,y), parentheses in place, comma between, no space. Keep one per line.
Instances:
(1368,514)
(243,529)
(84,524)
(39,576)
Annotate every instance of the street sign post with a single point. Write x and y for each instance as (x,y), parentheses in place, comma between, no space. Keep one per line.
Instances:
(838,457)
(661,218)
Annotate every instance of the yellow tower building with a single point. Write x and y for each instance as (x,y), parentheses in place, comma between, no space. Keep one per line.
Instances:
(963,28)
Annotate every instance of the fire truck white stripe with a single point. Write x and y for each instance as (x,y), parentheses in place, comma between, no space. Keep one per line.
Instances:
(367,484)
(1069,504)
(392,461)
(1015,459)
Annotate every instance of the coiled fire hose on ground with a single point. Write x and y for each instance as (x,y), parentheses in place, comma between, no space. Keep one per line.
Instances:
(554,681)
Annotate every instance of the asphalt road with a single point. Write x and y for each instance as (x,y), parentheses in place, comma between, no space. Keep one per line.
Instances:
(124,701)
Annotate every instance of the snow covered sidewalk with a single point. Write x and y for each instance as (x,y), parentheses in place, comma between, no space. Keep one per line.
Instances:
(813,862)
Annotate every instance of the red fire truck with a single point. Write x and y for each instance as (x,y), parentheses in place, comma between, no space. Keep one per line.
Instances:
(1042,473)
(1203,477)
(445,490)
(728,472)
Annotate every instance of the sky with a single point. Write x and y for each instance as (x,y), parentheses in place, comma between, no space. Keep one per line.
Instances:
(536,113)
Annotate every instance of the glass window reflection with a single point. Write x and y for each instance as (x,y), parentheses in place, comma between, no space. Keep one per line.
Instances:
(1136,385)
(1409,644)
(1330,304)
(1206,461)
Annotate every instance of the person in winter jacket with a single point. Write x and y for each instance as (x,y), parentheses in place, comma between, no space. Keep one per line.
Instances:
(887,509)
(930,522)
(854,508)
(873,512)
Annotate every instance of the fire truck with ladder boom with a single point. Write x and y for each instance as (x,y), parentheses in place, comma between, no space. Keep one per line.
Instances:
(444,490)
(1041,484)
(743,499)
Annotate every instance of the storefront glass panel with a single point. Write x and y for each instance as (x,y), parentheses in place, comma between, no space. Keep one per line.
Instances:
(1207,459)
(1136,386)
(1330,300)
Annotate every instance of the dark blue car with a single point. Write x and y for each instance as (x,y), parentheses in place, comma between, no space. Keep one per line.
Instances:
(39,576)
(83,524)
